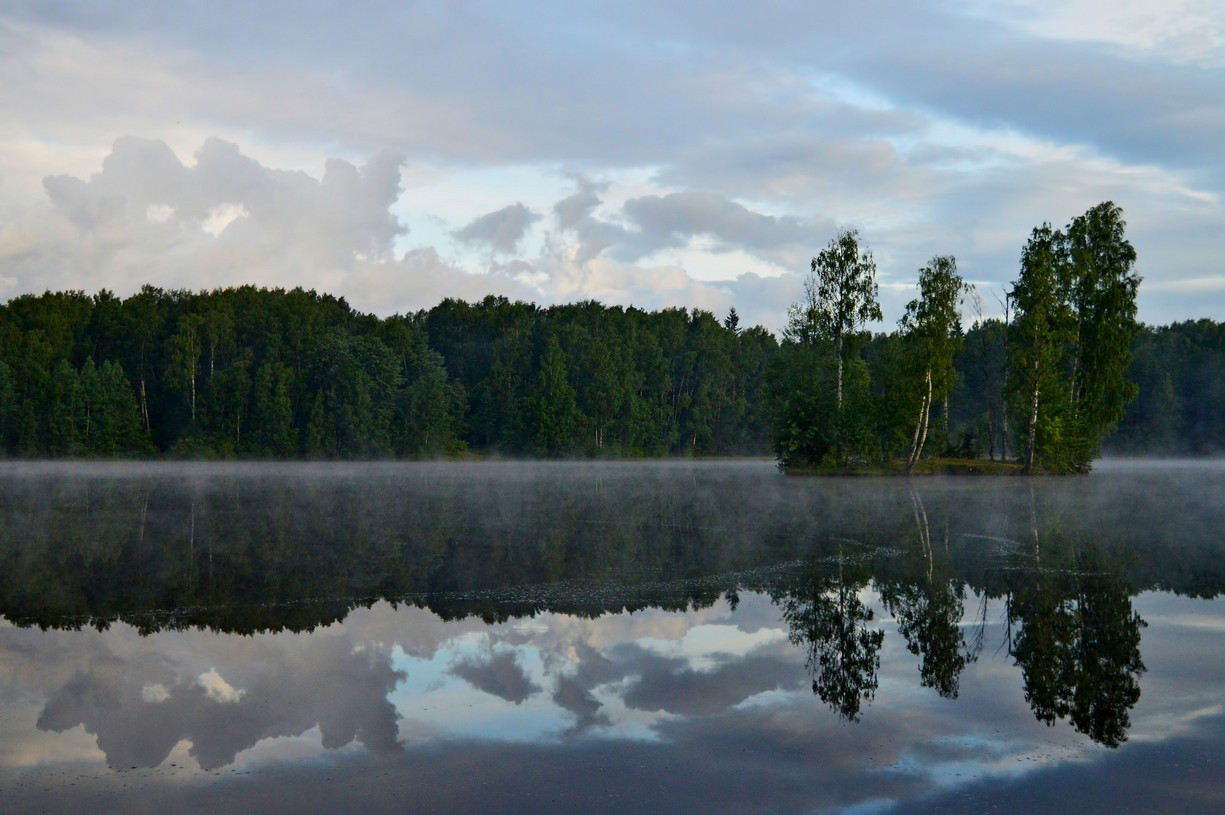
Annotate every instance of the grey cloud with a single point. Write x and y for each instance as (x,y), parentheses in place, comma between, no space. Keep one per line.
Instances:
(827,114)
(653,223)
(1132,108)
(499,674)
(575,209)
(575,215)
(656,85)
(573,692)
(654,682)
(421,278)
(672,220)
(501,231)
(849,165)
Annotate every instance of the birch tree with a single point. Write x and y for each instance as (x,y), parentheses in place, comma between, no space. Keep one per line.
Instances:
(840,298)
(1103,291)
(1070,344)
(932,324)
(1036,343)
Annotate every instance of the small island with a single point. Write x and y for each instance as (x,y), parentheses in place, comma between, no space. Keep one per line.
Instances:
(1069,323)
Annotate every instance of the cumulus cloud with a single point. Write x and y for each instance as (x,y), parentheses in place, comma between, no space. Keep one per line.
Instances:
(756,131)
(148,217)
(673,686)
(227,219)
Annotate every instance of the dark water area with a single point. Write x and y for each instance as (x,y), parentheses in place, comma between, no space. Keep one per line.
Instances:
(631,637)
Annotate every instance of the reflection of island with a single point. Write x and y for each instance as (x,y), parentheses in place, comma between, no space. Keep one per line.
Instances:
(296,550)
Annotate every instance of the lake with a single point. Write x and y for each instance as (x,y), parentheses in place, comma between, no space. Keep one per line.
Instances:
(623,637)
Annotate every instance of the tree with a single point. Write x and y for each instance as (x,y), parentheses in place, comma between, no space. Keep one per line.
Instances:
(1036,341)
(732,321)
(551,408)
(980,367)
(1104,288)
(1069,348)
(840,298)
(826,617)
(184,351)
(933,325)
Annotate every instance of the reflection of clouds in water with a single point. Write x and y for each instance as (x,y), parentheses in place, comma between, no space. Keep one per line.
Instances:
(141,708)
(709,662)
(498,673)
(726,709)
(672,685)
(572,695)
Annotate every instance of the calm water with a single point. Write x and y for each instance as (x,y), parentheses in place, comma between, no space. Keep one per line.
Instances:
(609,638)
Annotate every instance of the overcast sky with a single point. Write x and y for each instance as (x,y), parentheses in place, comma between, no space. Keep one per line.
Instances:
(647,153)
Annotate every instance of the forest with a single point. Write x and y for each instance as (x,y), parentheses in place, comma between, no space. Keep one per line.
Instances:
(291,374)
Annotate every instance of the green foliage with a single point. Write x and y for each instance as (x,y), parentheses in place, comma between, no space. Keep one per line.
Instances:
(931,327)
(978,399)
(550,410)
(1069,347)
(1180,374)
(283,374)
(802,401)
(840,294)
(840,298)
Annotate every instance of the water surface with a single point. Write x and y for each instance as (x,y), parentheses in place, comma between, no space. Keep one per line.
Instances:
(636,637)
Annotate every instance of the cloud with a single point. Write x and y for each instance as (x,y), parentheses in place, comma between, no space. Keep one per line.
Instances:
(501,231)
(571,695)
(148,217)
(669,221)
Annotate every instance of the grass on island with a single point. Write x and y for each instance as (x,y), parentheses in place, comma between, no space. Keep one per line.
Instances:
(927,466)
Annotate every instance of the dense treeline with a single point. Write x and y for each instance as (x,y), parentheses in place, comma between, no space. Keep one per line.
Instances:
(292,374)
(589,379)
(286,374)
(1180,372)
(241,371)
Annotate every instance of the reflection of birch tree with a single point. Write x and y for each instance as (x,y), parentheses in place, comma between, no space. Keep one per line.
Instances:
(928,611)
(826,617)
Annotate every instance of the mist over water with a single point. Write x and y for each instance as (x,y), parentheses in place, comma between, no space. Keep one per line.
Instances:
(623,636)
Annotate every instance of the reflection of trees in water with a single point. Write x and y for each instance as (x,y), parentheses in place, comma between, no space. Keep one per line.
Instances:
(253,554)
(1078,646)
(929,608)
(928,616)
(826,617)
(1077,638)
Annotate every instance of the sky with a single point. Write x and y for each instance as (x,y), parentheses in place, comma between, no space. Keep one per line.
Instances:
(638,153)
